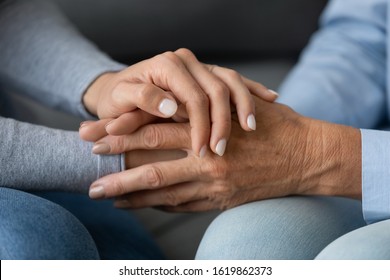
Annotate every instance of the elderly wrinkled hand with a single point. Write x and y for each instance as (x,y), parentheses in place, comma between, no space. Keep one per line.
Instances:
(287,155)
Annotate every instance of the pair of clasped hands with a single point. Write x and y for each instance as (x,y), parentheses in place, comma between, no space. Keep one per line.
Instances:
(174,118)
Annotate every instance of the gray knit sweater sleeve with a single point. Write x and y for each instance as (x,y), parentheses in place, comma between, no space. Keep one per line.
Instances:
(39,158)
(34,157)
(43,56)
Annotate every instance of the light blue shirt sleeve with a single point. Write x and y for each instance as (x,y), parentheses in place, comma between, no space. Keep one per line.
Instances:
(376,175)
(341,77)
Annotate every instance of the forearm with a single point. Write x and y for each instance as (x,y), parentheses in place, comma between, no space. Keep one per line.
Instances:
(44,56)
(39,158)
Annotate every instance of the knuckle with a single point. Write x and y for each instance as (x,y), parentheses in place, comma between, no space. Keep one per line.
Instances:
(153,177)
(169,61)
(170,57)
(233,75)
(219,89)
(223,194)
(200,100)
(152,137)
(185,53)
(171,198)
(118,144)
(225,205)
(144,93)
(212,67)
(215,169)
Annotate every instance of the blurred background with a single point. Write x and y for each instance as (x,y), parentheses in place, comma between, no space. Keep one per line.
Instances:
(130,30)
(261,39)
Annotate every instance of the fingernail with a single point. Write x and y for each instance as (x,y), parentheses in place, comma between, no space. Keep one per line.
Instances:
(251,122)
(101,148)
(221,147)
(107,126)
(96,192)
(122,203)
(167,107)
(202,152)
(84,123)
(274,92)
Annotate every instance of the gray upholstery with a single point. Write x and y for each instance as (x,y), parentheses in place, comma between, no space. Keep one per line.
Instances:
(128,28)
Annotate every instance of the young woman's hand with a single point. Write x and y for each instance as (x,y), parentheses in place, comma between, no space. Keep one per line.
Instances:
(177,85)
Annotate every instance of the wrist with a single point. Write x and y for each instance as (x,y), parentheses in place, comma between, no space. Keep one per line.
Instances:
(332,160)
(92,94)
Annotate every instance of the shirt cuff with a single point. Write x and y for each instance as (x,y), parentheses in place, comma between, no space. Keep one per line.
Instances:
(109,164)
(375,175)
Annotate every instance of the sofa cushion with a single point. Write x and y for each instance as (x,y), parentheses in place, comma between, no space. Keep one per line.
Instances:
(140,28)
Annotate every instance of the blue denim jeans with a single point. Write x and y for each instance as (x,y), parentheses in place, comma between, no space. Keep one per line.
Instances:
(296,228)
(69,226)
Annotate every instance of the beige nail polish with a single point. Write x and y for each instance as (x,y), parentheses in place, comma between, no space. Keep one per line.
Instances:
(101,148)
(97,192)
(274,92)
(107,126)
(84,123)
(203,151)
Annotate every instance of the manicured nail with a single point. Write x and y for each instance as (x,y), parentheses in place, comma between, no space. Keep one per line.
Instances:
(107,126)
(251,122)
(84,123)
(96,192)
(202,152)
(168,107)
(274,92)
(221,147)
(101,148)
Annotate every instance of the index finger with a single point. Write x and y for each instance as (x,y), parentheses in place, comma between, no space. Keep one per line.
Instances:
(149,137)
(145,177)
(176,78)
